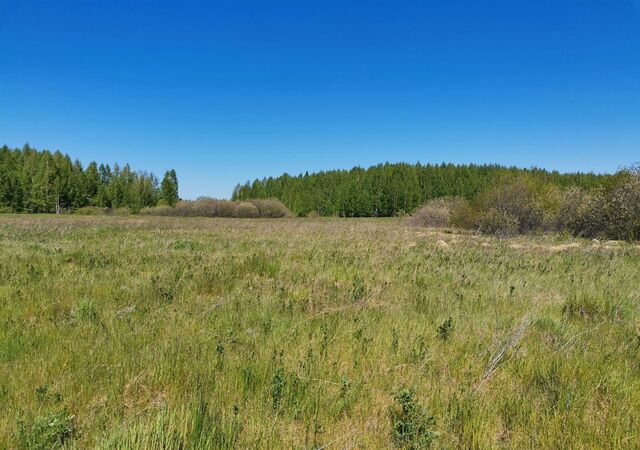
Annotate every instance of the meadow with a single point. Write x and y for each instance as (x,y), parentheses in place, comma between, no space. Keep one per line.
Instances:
(163,332)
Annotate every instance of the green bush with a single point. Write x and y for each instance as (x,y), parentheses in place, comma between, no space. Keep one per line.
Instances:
(445,329)
(45,432)
(412,425)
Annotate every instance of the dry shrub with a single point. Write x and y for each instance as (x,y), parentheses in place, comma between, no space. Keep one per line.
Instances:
(437,213)
(499,223)
(571,201)
(612,213)
(464,215)
(623,210)
(582,213)
(91,211)
(209,207)
(271,207)
(124,211)
(246,210)
(511,208)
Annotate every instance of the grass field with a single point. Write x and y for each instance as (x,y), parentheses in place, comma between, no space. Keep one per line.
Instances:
(299,333)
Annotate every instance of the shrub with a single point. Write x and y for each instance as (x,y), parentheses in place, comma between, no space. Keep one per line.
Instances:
(571,202)
(412,426)
(90,211)
(45,432)
(612,212)
(464,215)
(209,207)
(431,215)
(445,329)
(589,218)
(271,207)
(437,212)
(246,210)
(156,211)
(498,223)
(510,208)
(623,209)
(124,211)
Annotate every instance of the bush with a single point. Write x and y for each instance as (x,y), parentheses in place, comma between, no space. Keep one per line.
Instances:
(612,213)
(271,207)
(124,211)
(246,210)
(45,432)
(209,207)
(445,329)
(437,213)
(91,211)
(498,223)
(511,208)
(522,206)
(623,210)
(571,203)
(412,426)
(464,215)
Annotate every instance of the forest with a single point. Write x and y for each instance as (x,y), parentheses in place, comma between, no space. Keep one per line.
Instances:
(36,181)
(388,189)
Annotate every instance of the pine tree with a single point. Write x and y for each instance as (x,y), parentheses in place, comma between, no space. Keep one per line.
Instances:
(169,188)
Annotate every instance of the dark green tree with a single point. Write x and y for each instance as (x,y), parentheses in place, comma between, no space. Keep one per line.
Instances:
(169,188)
(42,181)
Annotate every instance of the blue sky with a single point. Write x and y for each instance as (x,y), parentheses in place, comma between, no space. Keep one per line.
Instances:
(225,91)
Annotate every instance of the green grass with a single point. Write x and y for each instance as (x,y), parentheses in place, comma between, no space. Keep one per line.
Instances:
(298,333)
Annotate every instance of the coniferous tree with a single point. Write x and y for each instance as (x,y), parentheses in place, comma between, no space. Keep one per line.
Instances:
(392,189)
(169,188)
(46,182)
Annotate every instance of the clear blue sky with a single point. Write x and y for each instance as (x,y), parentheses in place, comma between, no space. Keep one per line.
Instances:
(225,91)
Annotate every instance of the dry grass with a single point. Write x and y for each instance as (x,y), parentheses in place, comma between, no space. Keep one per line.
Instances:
(161,332)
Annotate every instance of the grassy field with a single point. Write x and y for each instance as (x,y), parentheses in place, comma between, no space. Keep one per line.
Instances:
(300,333)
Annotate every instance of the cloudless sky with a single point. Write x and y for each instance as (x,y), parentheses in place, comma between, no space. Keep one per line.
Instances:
(225,91)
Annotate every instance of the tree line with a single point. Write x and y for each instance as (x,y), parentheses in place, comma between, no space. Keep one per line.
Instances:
(394,189)
(46,182)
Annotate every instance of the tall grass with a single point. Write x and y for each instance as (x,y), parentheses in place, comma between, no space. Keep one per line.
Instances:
(164,332)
